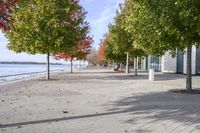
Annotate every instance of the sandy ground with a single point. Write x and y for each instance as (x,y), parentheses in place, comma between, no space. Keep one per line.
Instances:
(99,101)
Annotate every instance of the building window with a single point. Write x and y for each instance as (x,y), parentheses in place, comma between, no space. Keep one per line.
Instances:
(198,60)
(155,63)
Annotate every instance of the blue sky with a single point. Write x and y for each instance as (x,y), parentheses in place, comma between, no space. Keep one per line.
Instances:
(100,14)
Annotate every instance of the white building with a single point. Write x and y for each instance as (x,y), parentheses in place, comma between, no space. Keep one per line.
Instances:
(169,64)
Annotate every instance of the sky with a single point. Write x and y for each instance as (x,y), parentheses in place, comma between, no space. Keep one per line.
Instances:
(99,14)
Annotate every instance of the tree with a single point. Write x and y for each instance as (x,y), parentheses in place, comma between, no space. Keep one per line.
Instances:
(79,52)
(101,52)
(5,13)
(162,26)
(92,57)
(49,27)
(111,52)
(122,41)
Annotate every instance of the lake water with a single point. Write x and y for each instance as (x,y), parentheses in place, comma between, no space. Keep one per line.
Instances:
(15,71)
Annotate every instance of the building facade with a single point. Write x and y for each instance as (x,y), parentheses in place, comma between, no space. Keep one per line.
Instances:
(169,64)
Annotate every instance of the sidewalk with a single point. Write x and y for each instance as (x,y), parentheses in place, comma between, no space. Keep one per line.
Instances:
(100,101)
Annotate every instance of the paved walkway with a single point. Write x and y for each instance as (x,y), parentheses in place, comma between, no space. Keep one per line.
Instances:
(100,102)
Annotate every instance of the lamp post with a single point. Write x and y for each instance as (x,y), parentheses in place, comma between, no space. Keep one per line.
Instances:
(48,68)
(136,65)
(127,62)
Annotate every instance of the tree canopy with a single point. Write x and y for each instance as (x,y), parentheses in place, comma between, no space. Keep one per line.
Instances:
(162,26)
(119,40)
(47,27)
(79,52)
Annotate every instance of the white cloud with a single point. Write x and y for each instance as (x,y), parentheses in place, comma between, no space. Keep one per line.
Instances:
(100,25)
(103,20)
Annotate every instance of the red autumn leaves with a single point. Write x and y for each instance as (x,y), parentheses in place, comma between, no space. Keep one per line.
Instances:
(5,13)
(101,58)
(79,52)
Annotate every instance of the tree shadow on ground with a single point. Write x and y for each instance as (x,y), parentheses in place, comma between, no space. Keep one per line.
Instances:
(161,106)
(142,75)
(45,80)
(145,76)
(59,119)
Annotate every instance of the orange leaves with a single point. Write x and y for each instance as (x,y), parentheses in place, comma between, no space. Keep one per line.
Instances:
(62,56)
(79,52)
(101,52)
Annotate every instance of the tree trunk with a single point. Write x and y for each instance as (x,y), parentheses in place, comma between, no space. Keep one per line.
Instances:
(48,70)
(71,65)
(127,63)
(83,63)
(189,68)
(135,66)
(108,65)
(121,67)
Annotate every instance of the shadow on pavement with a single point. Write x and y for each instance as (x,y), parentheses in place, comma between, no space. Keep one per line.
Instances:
(158,77)
(162,106)
(59,119)
(142,75)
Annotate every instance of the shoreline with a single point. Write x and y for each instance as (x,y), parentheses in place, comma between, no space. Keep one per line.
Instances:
(21,78)
(13,78)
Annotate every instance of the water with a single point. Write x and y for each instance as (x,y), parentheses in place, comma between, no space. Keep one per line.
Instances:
(15,71)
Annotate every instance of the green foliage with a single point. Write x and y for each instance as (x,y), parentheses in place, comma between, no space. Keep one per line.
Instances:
(162,26)
(47,27)
(112,53)
(119,40)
